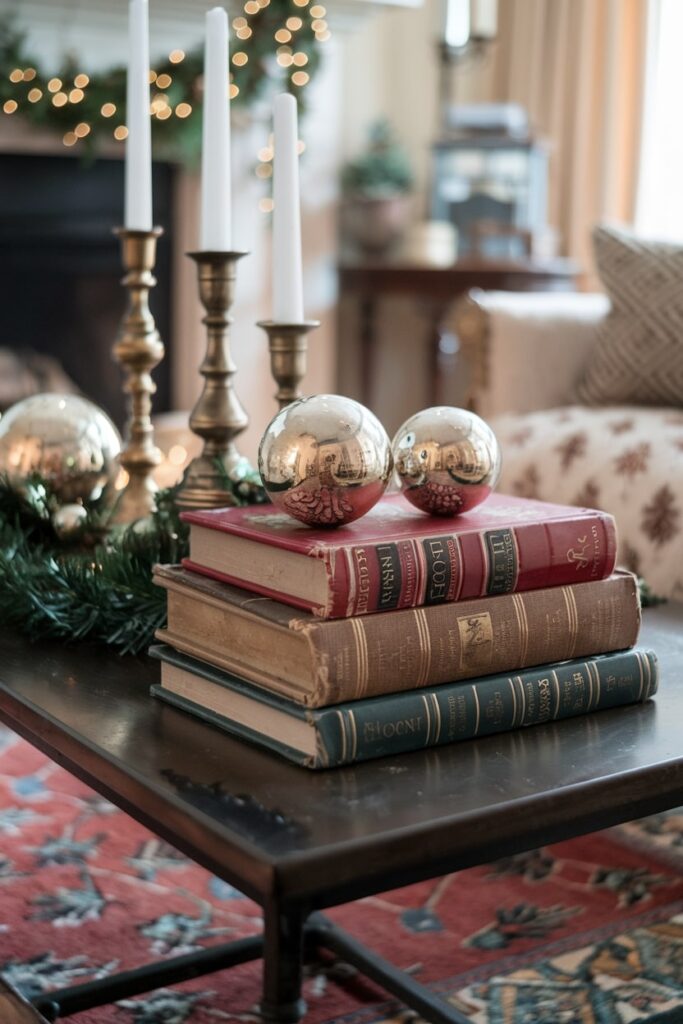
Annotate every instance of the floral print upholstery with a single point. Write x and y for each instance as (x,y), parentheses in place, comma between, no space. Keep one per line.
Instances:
(625,460)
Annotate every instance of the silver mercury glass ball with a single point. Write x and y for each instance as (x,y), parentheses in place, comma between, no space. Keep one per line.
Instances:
(447,460)
(326,460)
(68,520)
(66,440)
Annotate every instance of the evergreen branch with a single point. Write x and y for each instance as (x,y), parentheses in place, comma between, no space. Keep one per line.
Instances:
(98,587)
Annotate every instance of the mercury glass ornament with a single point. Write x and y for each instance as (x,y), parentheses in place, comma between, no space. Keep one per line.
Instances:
(326,460)
(68,520)
(64,439)
(447,460)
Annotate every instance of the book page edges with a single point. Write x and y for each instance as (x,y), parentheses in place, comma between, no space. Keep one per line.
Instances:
(260,718)
(277,571)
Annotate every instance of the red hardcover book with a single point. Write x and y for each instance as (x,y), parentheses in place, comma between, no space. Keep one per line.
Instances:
(396,557)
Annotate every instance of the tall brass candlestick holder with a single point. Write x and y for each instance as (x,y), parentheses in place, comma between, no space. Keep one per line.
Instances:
(138,349)
(288,345)
(218,416)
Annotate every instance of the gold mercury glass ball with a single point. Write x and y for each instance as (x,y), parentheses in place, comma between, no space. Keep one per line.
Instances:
(447,460)
(326,460)
(66,440)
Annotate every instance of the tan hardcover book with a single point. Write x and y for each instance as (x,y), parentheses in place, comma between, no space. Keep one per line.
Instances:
(319,662)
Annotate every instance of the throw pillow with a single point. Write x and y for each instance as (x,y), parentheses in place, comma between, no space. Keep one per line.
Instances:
(638,357)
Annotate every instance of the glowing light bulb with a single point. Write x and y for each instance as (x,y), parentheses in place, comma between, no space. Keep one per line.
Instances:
(108,109)
(176,56)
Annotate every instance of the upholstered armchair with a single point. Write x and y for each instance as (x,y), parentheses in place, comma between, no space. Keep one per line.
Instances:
(524,356)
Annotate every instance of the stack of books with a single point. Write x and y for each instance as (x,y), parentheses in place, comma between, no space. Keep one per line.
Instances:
(399,631)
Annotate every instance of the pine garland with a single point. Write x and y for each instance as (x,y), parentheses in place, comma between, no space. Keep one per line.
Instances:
(98,586)
(90,109)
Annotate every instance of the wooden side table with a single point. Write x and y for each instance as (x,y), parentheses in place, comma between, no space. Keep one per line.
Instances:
(434,289)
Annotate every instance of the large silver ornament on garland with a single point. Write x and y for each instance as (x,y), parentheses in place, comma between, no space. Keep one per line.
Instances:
(64,439)
(326,460)
(447,460)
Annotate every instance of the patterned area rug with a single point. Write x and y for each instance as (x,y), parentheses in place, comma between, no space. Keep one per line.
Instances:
(583,932)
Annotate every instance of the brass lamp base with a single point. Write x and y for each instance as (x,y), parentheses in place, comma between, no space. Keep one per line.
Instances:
(218,416)
(288,346)
(138,349)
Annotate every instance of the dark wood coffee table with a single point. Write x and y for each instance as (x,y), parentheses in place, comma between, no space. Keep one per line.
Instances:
(297,841)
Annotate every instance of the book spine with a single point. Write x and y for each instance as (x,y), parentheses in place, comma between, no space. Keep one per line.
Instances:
(377,654)
(434,570)
(461,711)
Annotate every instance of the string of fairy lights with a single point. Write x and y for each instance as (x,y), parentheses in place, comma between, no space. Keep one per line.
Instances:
(276,39)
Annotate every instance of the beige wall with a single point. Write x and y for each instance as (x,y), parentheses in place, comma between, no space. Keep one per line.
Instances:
(391,70)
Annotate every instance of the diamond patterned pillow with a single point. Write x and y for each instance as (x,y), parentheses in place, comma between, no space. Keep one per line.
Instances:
(638,357)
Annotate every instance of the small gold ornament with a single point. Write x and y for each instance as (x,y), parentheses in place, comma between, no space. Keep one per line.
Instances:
(68,520)
(447,460)
(326,460)
(66,440)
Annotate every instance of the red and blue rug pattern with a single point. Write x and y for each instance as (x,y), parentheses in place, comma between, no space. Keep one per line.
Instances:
(582,932)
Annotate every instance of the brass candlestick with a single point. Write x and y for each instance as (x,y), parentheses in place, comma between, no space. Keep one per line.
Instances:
(218,416)
(138,349)
(288,345)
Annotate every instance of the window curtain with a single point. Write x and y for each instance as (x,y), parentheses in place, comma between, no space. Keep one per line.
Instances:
(578,67)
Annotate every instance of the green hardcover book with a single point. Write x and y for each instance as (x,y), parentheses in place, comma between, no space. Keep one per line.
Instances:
(428,717)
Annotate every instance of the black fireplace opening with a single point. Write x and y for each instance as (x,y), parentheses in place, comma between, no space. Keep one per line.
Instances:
(60,268)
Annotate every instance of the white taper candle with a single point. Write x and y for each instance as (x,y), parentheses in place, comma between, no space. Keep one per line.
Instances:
(216,213)
(288,300)
(138,192)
